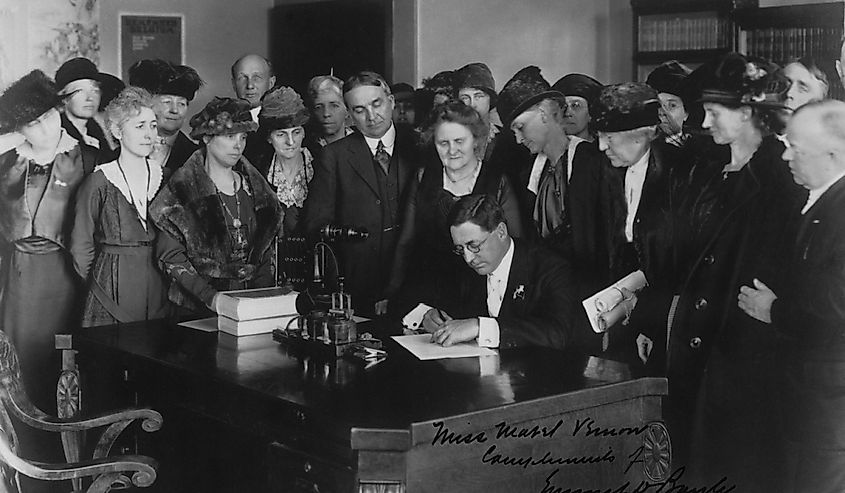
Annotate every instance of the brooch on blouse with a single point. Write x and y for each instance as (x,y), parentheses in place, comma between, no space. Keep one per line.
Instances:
(519,293)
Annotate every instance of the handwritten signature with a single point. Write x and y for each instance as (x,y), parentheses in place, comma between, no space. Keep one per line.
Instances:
(672,484)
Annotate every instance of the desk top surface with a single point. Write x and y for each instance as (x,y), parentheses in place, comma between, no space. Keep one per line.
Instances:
(395,393)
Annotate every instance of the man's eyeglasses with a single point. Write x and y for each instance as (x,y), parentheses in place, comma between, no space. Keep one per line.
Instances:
(471,247)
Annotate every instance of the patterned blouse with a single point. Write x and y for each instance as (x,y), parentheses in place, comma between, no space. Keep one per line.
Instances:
(292,193)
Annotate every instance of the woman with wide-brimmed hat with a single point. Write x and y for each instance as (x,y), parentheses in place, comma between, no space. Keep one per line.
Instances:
(731,231)
(219,217)
(113,239)
(288,165)
(38,184)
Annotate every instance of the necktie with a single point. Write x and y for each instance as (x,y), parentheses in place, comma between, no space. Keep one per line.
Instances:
(382,157)
(550,206)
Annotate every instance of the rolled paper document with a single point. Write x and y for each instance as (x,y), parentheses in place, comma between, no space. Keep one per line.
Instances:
(622,290)
(618,313)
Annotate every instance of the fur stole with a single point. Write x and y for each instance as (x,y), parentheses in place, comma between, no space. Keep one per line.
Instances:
(188,208)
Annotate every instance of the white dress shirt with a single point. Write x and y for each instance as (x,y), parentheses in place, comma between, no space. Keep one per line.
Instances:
(387,140)
(497,283)
(817,192)
(254,112)
(634,180)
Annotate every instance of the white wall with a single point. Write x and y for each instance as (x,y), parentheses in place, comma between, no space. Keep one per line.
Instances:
(559,36)
(216,33)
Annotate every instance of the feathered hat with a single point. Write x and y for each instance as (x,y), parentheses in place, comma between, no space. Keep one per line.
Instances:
(25,100)
(282,108)
(739,80)
(162,77)
(223,116)
(626,106)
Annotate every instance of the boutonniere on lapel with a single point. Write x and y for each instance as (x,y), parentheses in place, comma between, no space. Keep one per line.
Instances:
(519,292)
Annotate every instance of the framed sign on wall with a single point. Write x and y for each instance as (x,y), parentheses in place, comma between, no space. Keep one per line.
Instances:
(145,36)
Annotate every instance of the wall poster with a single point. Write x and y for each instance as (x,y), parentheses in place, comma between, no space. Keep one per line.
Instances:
(150,36)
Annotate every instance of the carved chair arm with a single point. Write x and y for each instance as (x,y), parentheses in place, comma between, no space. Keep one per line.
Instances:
(143,469)
(31,415)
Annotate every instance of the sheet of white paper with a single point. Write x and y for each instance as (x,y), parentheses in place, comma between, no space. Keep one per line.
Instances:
(420,345)
(203,324)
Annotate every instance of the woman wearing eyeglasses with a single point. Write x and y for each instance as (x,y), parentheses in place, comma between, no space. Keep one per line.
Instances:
(423,255)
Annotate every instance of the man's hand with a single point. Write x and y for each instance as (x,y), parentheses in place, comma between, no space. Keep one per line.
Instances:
(381,307)
(644,347)
(757,301)
(434,319)
(455,331)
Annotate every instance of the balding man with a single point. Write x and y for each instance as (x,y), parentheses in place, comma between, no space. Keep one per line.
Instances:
(252,76)
(809,308)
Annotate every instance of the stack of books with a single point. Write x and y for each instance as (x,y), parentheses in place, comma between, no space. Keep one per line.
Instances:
(256,311)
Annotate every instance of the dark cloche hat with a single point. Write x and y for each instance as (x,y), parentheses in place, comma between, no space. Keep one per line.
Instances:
(739,80)
(479,76)
(402,91)
(110,87)
(162,77)
(579,85)
(441,83)
(669,77)
(282,108)
(223,116)
(626,106)
(525,89)
(25,100)
(77,69)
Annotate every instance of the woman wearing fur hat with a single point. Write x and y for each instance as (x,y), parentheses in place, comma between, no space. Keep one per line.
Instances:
(38,184)
(112,240)
(734,217)
(425,248)
(288,167)
(173,88)
(79,84)
(218,215)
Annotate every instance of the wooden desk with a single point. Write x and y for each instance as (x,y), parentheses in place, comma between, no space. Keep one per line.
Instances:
(247,414)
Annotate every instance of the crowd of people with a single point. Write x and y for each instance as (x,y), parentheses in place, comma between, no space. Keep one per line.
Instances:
(491,213)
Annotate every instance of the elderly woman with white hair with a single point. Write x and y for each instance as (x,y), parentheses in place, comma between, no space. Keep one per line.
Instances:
(329,116)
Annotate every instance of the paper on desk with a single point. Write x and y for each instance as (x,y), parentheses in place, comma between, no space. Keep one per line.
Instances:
(420,345)
(204,324)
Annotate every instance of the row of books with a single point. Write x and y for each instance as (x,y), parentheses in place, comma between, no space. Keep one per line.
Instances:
(671,32)
(783,44)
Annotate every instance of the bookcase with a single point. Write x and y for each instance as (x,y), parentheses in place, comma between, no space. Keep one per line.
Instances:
(695,31)
(783,34)
(690,31)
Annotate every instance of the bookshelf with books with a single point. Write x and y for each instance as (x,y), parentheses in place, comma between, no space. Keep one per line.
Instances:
(784,34)
(690,31)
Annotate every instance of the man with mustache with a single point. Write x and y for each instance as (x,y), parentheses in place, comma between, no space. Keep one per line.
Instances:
(361,181)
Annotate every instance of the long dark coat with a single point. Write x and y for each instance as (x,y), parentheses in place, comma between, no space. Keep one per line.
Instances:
(345,191)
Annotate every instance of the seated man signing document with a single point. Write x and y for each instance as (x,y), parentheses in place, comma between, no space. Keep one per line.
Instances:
(518,296)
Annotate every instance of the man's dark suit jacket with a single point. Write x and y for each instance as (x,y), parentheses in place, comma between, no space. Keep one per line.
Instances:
(810,311)
(539,304)
(345,191)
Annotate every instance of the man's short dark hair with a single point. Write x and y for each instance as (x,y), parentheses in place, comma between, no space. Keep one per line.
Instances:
(480,209)
(366,78)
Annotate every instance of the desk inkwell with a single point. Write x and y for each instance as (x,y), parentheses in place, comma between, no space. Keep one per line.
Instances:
(325,326)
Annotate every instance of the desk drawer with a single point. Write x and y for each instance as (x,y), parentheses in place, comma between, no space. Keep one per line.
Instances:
(293,471)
